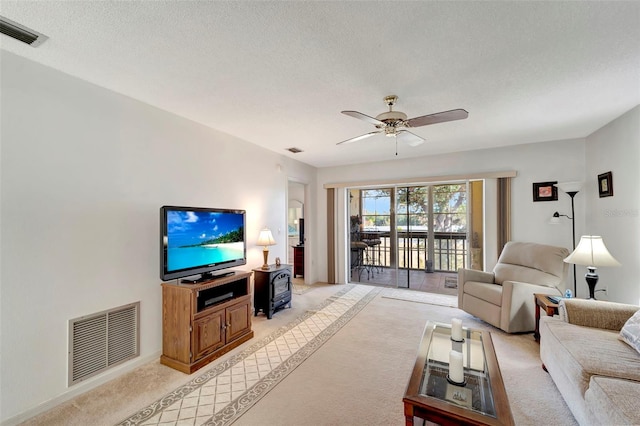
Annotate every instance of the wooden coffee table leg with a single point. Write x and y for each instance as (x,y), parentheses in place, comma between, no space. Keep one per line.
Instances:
(408,414)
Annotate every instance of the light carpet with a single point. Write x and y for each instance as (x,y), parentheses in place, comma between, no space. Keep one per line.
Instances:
(421,297)
(225,392)
(301,288)
(357,377)
(360,375)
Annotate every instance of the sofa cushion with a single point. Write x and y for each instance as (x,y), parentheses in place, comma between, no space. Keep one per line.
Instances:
(630,332)
(584,352)
(613,401)
(491,293)
(554,357)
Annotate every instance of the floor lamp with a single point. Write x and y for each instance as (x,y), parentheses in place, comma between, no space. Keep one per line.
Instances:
(571,189)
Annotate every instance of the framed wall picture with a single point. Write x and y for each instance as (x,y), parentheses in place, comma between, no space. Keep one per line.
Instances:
(605,185)
(545,191)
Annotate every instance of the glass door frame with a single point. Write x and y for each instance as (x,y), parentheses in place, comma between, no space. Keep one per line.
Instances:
(394,239)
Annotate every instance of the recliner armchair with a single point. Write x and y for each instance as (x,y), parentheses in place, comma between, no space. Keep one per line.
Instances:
(504,297)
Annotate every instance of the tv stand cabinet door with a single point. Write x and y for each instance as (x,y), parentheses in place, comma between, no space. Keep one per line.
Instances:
(238,320)
(208,334)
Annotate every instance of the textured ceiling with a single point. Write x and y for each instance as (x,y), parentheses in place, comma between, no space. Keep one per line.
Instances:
(278,73)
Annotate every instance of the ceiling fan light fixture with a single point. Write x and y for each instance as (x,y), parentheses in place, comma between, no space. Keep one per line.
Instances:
(390,131)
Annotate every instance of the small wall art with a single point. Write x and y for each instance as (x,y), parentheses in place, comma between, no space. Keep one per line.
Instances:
(545,191)
(605,185)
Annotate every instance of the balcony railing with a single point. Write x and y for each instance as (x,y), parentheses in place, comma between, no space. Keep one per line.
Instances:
(450,250)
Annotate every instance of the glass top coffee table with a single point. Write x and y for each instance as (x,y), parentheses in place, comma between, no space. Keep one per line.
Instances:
(430,395)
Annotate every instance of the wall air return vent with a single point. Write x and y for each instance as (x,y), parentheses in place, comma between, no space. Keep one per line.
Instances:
(294,150)
(20,32)
(102,340)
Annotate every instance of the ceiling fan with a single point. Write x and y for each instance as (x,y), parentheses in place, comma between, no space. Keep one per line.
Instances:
(395,123)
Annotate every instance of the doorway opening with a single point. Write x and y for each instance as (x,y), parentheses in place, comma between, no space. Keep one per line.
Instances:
(296,229)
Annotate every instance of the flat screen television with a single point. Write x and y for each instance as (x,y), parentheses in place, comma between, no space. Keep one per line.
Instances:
(196,241)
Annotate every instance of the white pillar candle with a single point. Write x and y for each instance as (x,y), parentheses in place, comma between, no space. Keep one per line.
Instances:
(456,329)
(456,371)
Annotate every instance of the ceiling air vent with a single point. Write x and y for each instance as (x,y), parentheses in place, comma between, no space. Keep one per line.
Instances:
(20,32)
(294,150)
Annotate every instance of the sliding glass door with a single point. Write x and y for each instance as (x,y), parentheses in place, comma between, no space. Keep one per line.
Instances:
(412,224)
(450,226)
(398,234)
(371,248)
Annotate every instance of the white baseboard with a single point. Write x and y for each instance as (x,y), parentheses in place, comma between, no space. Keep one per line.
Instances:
(79,389)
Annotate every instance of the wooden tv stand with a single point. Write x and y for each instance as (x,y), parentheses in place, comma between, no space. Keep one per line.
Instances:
(201,322)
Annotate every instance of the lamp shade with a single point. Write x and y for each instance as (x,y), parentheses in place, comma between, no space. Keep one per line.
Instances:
(569,186)
(266,238)
(591,251)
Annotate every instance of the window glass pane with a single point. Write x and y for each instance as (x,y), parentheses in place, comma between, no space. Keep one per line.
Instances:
(450,208)
(376,208)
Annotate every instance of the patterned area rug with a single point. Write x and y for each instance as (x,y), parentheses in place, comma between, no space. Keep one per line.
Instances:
(222,394)
(421,297)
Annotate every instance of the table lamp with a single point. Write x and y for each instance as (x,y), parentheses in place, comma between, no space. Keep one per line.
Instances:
(591,252)
(265,239)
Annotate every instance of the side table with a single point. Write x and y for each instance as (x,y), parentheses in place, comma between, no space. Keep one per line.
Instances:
(542,301)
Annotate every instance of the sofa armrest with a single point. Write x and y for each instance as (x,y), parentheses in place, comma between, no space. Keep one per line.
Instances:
(596,313)
(518,307)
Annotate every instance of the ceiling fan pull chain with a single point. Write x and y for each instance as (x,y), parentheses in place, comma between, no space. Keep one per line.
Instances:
(396,138)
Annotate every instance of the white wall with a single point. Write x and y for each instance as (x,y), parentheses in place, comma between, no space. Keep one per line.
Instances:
(550,161)
(616,148)
(84,172)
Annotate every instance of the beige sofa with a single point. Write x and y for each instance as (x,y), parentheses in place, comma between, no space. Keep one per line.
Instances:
(504,297)
(597,374)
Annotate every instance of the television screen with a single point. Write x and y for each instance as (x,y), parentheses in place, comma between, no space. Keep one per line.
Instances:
(197,240)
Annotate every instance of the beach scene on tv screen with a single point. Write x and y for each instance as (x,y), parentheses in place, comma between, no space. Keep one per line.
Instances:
(202,238)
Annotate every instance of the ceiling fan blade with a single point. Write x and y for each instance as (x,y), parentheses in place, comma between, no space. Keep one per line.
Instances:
(438,117)
(409,138)
(359,138)
(365,117)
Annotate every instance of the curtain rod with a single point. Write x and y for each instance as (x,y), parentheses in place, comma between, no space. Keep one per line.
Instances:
(426,179)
